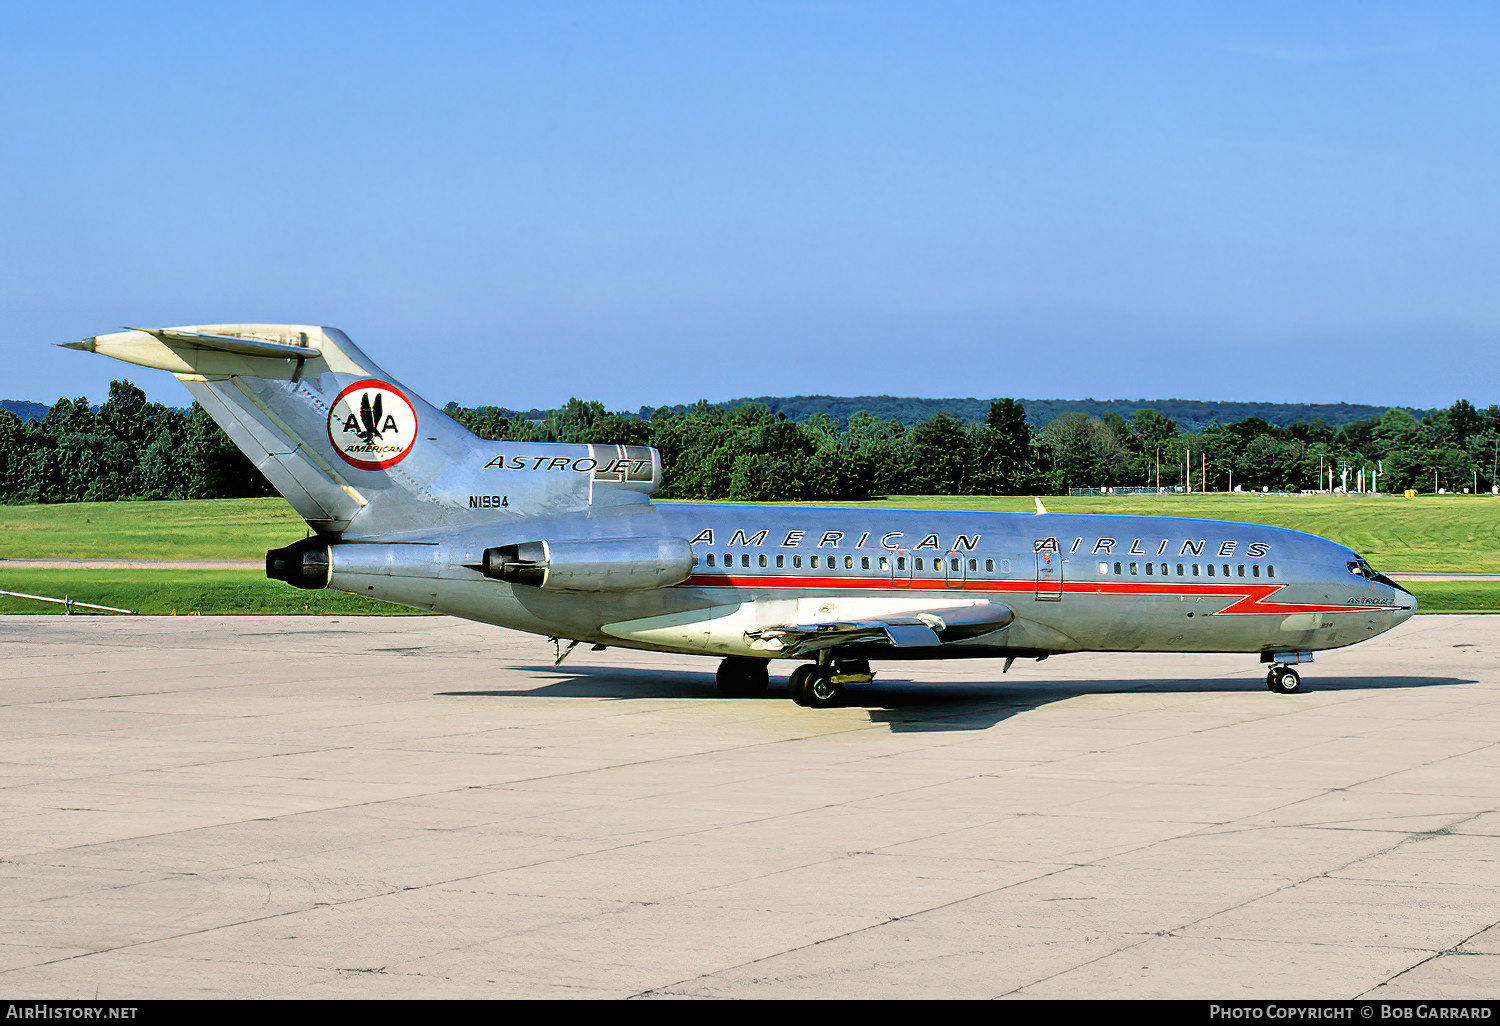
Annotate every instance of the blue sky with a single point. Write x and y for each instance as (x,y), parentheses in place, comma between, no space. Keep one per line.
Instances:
(649,203)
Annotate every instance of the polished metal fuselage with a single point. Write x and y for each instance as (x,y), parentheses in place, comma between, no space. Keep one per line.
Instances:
(1074,582)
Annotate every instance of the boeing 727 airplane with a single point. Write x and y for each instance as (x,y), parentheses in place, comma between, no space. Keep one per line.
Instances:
(563,540)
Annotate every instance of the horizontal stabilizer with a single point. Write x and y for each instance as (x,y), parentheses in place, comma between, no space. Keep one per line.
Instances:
(231,343)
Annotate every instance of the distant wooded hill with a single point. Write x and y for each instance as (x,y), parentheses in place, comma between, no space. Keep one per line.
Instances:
(23,409)
(1190,414)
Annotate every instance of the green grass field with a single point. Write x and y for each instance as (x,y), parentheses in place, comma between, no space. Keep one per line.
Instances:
(1436,533)
(181,593)
(1432,533)
(197,529)
(1463,597)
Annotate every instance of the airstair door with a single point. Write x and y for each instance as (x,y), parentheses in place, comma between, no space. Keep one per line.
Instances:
(1049,576)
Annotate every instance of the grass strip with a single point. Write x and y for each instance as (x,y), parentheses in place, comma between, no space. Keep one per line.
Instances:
(183,593)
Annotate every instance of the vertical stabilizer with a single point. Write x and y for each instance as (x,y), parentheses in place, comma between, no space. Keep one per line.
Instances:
(354,451)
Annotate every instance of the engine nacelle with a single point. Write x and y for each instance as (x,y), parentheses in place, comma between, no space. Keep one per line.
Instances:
(303,564)
(604,564)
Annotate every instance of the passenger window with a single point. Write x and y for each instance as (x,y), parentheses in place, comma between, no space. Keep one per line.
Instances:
(1195,569)
(797,562)
(864,562)
(1210,569)
(955,564)
(989,566)
(1226,569)
(814,562)
(1270,570)
(1255,570)
(884,563)
(848,562)
(710,559)
(1148,569)
(780,560)
(762,559)
(1179,571)
(1104,568)
(745,559)
(1117,569)
(1164,569)
(900,562)
(1241,569)
(918,563)
(1134,568)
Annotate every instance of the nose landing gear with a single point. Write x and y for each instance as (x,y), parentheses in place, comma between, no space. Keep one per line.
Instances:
(1284,680)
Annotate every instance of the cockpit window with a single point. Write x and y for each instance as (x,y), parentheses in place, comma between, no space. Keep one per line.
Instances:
(1359,568)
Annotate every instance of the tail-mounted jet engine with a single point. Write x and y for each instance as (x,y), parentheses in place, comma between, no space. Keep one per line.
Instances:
(303,564)
(606,564)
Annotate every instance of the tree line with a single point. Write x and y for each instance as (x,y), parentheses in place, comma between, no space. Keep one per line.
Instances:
(129,448)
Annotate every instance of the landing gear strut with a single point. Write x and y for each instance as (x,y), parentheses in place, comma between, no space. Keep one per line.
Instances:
(1284,680)
(743,677)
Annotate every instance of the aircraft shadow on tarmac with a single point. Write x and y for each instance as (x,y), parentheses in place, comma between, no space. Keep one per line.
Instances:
(904,706)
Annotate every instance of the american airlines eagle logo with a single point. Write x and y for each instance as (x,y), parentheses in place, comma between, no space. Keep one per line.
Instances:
(369,416)
(372,425)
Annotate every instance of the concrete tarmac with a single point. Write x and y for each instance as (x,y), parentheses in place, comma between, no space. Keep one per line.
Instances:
(423,807)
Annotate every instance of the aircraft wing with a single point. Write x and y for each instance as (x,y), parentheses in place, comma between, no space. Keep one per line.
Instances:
(908,629)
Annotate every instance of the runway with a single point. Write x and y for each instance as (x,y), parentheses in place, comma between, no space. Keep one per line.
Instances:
(423,807)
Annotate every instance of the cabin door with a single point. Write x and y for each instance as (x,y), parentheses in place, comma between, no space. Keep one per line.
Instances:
(1049,576)
(954,574)
(900,565)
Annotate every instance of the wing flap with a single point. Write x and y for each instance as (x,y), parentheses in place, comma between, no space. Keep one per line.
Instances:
(914,629)
(912,635)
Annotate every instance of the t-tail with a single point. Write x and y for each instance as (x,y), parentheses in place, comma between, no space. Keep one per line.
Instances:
(358,454)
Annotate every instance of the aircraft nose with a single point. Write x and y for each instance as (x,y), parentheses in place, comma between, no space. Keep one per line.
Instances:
(1406,605)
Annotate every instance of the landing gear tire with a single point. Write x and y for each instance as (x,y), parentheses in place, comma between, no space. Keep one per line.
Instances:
(1284,680)
(742,677)
(813,687)
(796,684)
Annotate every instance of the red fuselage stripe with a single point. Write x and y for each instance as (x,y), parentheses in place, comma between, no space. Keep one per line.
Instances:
(1251,598)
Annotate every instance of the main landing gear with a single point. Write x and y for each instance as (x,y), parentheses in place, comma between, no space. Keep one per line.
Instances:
(743,677)
(821,685)
(1284,680)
